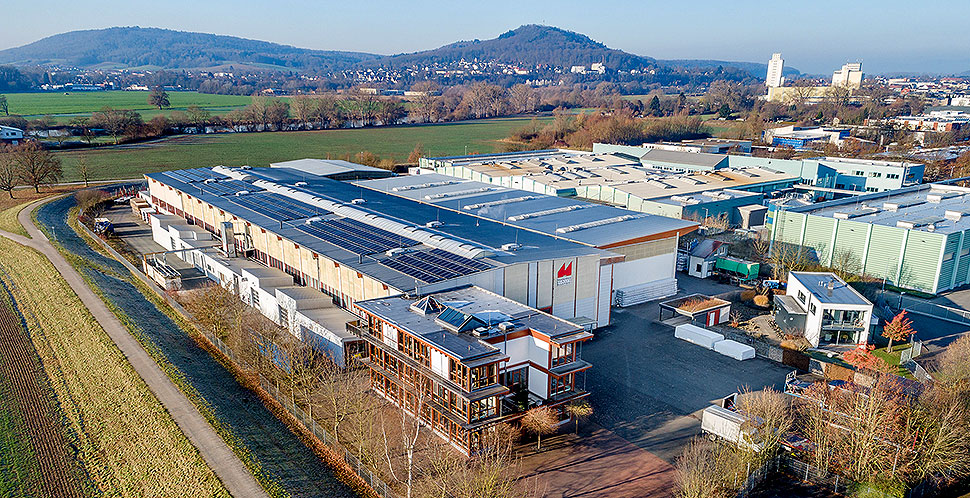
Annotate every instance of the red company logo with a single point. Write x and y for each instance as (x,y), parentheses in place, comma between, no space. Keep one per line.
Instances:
(565,270)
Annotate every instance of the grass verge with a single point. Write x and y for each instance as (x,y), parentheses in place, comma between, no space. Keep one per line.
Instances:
(127,442)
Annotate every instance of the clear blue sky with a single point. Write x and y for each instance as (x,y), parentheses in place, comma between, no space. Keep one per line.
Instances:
(815,36)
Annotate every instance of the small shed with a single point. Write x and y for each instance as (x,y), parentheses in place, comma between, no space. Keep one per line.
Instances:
(697,308)
(703,256)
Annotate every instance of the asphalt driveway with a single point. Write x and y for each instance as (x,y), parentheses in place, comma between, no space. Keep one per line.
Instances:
(648,387)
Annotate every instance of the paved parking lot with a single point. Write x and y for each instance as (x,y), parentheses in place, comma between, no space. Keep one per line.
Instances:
(648,387)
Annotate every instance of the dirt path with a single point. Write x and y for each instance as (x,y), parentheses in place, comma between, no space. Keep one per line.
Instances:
(60,472)
(231,471)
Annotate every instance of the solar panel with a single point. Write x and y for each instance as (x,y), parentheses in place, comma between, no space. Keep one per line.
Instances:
(355,236)
(228,187)
(277,207)
(194,175)
(435,265)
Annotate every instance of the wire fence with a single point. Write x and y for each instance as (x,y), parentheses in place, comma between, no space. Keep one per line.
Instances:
(824,479)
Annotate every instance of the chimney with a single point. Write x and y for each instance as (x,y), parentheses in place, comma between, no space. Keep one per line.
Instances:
(831,287)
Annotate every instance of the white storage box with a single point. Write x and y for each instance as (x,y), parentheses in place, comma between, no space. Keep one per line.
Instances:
(734,349)
(697,335)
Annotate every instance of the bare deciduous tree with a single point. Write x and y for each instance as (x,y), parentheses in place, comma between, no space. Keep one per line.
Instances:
(540,420)
(35,165)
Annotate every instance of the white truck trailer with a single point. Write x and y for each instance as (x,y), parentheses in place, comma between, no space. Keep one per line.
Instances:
(728,425)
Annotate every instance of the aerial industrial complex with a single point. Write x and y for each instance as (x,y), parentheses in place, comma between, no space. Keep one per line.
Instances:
(355,241)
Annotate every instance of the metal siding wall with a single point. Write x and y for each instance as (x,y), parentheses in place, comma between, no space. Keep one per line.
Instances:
(851,239)
(818,236)
(883,256)
(533,284)
(947,267)
(517,283)
(921,260)
(546,280)
(789,227)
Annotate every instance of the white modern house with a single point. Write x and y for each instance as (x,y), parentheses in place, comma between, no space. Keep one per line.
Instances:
(823,308)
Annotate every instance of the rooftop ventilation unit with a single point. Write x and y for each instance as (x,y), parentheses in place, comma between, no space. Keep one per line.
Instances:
(506,326)
(511,246)
(358,201)
(954,215)
(209,180)
(242,192)
(547,212)
(937,197)
(480,205)
(433,224)
(404,188)
(598,223)
(395,251)
(445,195)
(300,184)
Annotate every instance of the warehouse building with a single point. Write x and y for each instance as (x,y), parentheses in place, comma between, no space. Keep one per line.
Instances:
(466,359)
(706,191)
(914,238)
(355,243)
(818,175)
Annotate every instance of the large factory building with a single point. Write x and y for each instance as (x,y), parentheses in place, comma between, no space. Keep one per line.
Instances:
(420,235)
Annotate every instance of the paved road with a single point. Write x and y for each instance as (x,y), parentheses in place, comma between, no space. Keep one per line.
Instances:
(227,466)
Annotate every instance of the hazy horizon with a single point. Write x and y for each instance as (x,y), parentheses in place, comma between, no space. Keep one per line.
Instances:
(888,37)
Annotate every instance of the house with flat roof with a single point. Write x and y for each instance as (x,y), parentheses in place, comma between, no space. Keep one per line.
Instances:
(465,359)
(824,309)
(916,237)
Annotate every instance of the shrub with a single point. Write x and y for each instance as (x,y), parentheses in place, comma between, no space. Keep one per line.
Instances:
(761,300)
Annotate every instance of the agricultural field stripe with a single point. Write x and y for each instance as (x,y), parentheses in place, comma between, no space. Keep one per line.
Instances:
(231,471)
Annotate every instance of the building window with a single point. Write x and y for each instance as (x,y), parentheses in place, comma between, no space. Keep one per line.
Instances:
(965,252)
(562,354)
(561,385)
(801,297)
(254,297)
(484,376)
(483,409)
(517,380)
(458,374)
(948,256)
(811,308)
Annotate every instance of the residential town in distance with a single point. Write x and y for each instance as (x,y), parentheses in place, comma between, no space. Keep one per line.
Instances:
(516,267)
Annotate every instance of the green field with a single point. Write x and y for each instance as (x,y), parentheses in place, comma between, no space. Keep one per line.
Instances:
(66,105)
(260,149)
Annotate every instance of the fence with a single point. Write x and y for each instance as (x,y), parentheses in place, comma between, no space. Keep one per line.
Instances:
(823,479)
(361,469)
(923,307)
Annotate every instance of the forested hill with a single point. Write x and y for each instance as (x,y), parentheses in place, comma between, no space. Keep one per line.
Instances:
(527,46)
(133,47)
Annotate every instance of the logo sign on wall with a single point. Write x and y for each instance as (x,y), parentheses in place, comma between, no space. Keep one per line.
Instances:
(564,275)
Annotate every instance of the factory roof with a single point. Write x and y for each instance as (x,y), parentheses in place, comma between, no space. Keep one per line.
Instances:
(685,158)
(818,284)
(469,304)
(297,206)
(929,207)
(587,223)
(333,168)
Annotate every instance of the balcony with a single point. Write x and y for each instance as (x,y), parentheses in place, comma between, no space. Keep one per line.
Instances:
(841,326)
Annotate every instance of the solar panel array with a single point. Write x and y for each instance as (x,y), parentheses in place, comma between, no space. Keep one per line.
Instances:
(228,187)
(354,236)
(277,207)
(194,175)
(434,265)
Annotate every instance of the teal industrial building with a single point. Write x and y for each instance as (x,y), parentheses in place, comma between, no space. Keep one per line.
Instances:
(914,238)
